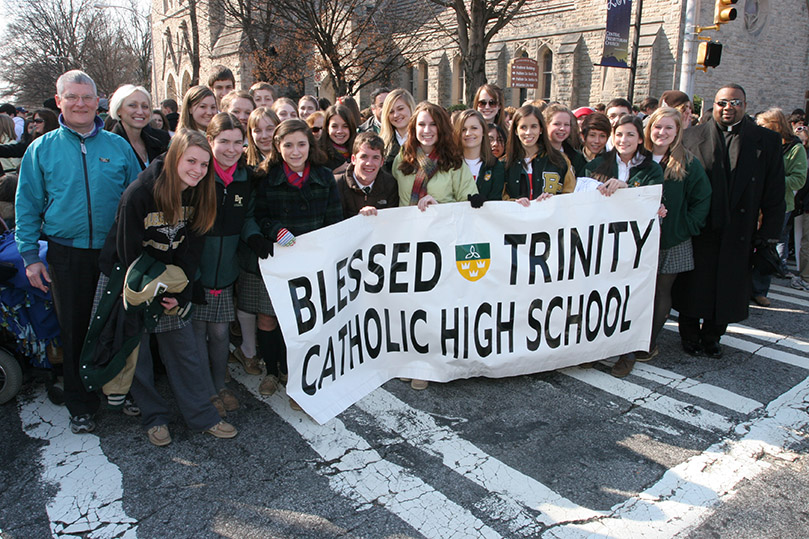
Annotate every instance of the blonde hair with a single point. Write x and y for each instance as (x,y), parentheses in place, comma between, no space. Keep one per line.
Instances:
(387,132)
(774,119)
(678,156)
(121,94)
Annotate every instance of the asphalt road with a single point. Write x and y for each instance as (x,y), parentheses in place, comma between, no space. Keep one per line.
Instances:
(687,447)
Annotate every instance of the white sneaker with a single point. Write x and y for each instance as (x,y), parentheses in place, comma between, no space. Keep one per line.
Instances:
(798,284)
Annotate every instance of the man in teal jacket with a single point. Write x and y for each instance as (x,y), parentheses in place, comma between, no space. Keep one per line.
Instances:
(70,182)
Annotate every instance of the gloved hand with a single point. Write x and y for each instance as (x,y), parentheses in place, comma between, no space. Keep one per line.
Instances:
(285,238)
(476,200)
(260,245)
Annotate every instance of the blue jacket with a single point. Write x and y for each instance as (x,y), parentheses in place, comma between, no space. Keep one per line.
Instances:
(69,187)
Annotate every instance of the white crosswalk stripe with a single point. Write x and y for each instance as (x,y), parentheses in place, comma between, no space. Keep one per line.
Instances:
(90,492)
(360,473)
(651,400)
(420,430)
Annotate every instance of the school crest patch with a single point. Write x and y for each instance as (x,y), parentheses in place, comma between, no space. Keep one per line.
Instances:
(473,260)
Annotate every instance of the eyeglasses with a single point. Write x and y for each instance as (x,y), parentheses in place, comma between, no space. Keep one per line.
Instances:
(316,129)
(73,98)
(38,121)
(491,102)
(735,103)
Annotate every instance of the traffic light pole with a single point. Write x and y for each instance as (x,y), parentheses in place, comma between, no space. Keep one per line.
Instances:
(635,45)
(689,48)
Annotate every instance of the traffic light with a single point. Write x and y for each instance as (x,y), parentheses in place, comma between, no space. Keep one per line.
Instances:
(724,12)
(709,54)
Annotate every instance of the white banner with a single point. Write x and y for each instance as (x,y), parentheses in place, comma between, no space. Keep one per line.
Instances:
(456,292)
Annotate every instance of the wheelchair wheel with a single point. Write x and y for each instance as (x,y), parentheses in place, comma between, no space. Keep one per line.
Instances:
(10,376)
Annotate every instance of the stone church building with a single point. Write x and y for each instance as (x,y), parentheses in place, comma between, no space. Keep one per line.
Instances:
(766,50)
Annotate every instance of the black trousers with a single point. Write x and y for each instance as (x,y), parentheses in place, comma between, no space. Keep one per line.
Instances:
(709,332)
(74,275)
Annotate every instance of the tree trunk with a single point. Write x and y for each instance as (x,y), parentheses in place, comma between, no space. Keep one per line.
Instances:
(475,56)
(192,15)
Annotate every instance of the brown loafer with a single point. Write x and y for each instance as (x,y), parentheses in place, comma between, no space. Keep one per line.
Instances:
(761,301)
(159,435)
(223,429)
(268,385)
(229,400)
(647,356)
(419,385)
(249,364)
(622,367)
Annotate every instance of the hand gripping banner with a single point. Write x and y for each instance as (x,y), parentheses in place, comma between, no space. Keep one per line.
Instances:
(457,292)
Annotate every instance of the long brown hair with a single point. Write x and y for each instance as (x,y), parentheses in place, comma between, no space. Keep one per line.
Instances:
(325,141)
(294,125)
(168,189)
(51,122)
(450,156)
(678,156)
(194,95)
(486,154)
(253,155)
(515,152)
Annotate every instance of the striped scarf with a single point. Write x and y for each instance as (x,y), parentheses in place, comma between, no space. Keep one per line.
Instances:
(295,179)
(428,166)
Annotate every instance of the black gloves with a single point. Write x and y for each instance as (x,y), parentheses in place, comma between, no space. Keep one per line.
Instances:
(260,245)
(476,200)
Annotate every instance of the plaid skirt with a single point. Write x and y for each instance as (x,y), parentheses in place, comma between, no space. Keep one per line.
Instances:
(253,296)
(167,322)
(677,259)
(219,307)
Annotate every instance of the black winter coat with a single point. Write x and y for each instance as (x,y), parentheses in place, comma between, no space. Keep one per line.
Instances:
(719,286)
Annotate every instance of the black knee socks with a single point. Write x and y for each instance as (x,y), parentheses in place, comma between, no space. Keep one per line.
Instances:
(273,350)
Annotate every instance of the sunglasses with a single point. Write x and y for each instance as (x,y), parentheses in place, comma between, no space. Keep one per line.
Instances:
(316,129)
(735,103)
(491,102)
(38,121)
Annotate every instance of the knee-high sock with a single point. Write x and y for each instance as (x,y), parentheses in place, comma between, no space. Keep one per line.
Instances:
(247,321)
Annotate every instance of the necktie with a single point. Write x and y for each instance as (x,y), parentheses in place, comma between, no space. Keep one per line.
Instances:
(366,190)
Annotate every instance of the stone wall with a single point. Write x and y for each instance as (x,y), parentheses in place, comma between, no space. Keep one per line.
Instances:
(766,50)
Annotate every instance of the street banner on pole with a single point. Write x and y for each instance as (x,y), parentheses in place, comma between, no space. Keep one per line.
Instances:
(616,38)
(457,292)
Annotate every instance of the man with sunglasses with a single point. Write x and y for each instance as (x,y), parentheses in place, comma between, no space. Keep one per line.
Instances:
(746,169)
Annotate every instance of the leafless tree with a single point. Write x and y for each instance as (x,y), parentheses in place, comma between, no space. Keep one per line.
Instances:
(45,38)
(478,22)
(353,41)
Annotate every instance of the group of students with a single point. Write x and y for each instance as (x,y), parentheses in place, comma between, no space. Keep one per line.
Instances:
(245,173)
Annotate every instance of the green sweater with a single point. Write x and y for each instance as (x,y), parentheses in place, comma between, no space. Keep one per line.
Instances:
(794,173)
(490,181)
(687,202)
